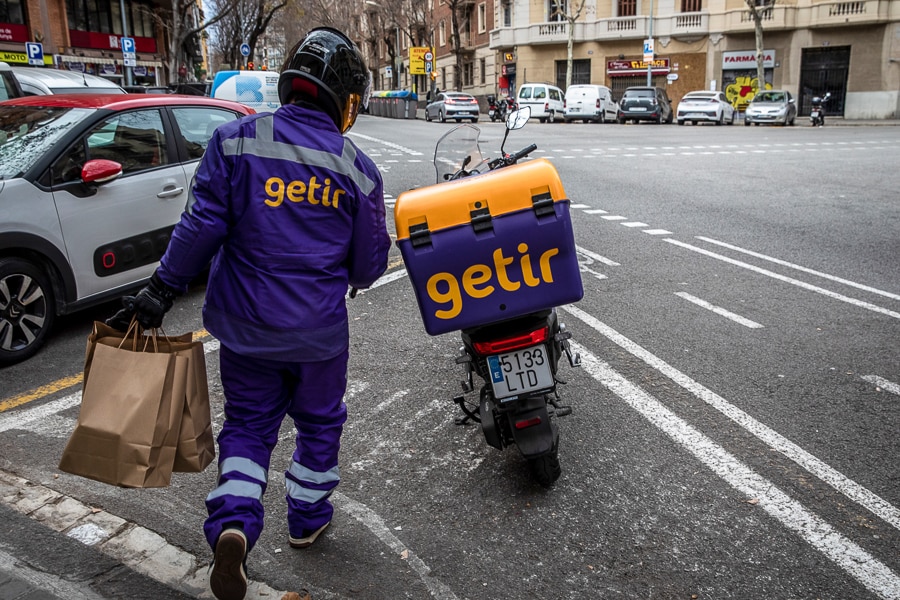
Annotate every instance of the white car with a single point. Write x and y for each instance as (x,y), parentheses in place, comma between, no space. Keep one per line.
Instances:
(91,186)
(705,106)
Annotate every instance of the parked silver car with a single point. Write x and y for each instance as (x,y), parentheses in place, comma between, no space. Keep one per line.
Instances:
(771,106)
(452,105)
(42,82)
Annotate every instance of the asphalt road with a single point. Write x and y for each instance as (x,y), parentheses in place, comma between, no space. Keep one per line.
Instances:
(734,426)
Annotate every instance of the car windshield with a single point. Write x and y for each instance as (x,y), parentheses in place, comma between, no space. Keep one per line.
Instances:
(700,97)
(769,97)
(639,94)
(28,132)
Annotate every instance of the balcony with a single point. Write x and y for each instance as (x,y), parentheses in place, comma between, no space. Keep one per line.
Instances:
(774,18)
(558,32)
(856,12)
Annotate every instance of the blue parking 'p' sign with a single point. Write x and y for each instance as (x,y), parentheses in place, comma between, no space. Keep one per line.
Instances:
(35,52)
(127,45)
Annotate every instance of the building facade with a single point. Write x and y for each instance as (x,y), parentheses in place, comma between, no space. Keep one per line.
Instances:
(85,36)
(850,48)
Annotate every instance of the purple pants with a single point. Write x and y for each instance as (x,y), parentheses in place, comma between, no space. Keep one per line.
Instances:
(258,395)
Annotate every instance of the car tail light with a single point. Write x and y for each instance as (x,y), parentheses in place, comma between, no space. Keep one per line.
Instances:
(565,104)
(512,343)
(597,103)
(547,106)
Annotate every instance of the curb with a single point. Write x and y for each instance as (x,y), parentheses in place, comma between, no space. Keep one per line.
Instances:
(131,545)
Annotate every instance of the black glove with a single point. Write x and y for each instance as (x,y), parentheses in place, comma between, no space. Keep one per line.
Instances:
(149,306)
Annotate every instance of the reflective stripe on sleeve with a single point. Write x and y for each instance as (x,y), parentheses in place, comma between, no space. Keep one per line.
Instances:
(265,146)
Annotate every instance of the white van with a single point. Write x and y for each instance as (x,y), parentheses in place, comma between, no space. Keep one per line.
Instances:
(545,100)
(256,89)
(590,103)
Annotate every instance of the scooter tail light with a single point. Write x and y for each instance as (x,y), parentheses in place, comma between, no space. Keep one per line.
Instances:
(526,423)
(512,343)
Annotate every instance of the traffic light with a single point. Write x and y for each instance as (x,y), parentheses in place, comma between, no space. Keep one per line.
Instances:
(264,68)
(250,66)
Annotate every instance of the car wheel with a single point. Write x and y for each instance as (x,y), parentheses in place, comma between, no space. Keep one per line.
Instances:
(441,117)
(27,309)
(731,122)
(721,119)
(542,119)
(428,116)
(746,122)
(621,120)
(602,117)
(681,122)
(552,117)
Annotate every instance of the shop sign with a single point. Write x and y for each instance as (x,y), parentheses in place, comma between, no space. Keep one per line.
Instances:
(660,66)
(20,58)
(746,59)
(12,32)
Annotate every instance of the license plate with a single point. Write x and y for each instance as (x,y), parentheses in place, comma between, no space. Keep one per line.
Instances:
(814,114)
(491,112)
(520,372)
(637,108)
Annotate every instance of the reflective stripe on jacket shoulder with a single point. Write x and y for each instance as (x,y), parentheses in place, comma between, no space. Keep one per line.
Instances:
(265,146)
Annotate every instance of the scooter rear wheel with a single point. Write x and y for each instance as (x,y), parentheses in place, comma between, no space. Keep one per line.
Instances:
(545,469)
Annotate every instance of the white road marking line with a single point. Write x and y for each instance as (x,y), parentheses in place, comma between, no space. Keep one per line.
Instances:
(657,232)
(595,211)
(888,386)
(798,283)
(719,311)
(849,556)
(403,149)
(634,224)
(595,256)
(614,218)
(800,268)
(376,525)
(862,496)
(579,206)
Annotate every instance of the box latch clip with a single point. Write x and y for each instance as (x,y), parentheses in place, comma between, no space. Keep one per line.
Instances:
(419,235)
(543,204)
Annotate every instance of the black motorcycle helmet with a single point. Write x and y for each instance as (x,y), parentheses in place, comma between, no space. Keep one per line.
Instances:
(327,69)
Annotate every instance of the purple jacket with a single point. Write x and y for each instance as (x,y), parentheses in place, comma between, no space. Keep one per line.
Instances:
(290,213)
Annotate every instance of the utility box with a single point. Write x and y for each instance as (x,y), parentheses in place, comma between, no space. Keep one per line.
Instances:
(489,247)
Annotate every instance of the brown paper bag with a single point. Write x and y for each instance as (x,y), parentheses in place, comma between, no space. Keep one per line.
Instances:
(131,409)
(196,445)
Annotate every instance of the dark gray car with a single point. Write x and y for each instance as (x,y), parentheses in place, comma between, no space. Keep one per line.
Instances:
(645,104)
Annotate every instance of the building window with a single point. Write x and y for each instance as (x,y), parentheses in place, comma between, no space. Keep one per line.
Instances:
(104,16)
(482,18)
(507,15)
(557,10)
(482,69)
(468,74)
(442,34)
(691,5)
(11,12)
(581,72)
(627,8)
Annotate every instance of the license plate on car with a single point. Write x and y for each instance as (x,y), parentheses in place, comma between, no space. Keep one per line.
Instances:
(520,372)
(637,108)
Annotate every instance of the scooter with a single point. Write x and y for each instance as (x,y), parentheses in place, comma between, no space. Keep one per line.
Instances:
(516,358)
(817,114)
(497,110)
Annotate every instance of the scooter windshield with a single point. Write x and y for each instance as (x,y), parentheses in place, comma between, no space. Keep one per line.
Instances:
(457,153)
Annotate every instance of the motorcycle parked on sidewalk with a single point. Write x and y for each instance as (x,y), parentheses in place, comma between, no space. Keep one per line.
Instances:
(496,109)
(491,253)
(817,113)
